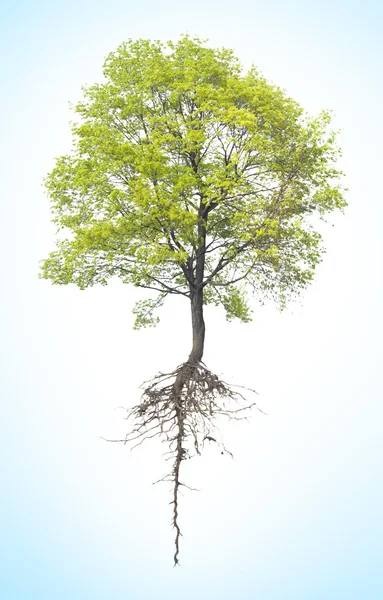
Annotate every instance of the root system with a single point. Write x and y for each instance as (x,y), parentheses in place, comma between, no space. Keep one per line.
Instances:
(183,408)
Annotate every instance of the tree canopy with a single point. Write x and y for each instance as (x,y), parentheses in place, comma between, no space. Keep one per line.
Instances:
(179,155)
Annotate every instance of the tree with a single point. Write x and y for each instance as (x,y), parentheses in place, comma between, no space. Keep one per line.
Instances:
(190,177)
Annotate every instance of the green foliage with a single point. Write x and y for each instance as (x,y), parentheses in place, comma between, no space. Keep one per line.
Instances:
(179,153)
(144,309)
(234,302)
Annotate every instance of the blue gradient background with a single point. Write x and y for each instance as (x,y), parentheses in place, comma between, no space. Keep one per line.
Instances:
(298,513)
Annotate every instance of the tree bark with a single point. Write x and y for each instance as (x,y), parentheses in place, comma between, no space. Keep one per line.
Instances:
(196,290)
(198,326)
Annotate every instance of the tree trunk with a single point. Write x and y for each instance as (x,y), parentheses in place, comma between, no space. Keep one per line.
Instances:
(198,325)
(196,290)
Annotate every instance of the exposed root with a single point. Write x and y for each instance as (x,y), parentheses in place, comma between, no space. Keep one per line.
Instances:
(181,408)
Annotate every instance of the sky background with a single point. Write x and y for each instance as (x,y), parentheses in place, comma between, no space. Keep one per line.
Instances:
(298,513)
